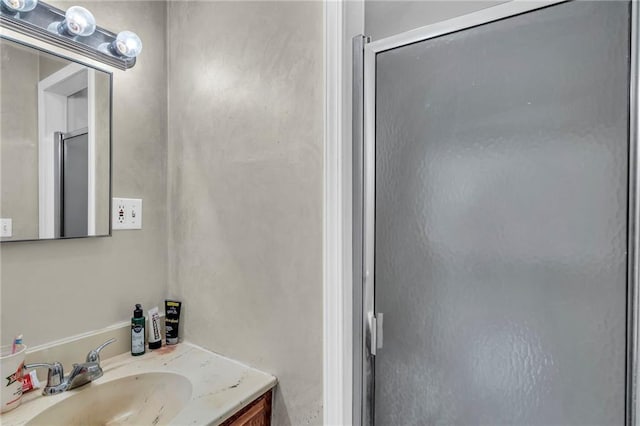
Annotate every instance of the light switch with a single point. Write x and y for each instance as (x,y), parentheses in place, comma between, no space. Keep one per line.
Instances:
(127,213)
(6,227)
(135,213)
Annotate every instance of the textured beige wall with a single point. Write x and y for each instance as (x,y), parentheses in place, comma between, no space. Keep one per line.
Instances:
(54,289)
(19,139)
(50,64)
(245,184)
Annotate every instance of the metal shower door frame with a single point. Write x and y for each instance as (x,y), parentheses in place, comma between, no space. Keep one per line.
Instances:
(59,139)
(364,109)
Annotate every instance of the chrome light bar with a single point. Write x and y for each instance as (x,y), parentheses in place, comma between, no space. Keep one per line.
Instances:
(74,30)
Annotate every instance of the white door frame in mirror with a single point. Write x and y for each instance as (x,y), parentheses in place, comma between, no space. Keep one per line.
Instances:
(53,92)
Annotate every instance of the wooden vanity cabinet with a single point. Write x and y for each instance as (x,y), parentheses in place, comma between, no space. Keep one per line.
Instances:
(257,413)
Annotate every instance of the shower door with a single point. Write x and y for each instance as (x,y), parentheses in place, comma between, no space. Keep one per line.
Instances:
(496,218)
(72,187)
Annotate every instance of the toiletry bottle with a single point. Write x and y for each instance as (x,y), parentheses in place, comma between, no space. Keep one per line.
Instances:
(155,339)
(172,320)
(137,331)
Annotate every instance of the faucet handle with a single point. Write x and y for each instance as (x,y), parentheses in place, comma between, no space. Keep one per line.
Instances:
(94,355)
(55,376)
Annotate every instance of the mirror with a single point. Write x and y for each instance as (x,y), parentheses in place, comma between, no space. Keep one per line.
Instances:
(55,146)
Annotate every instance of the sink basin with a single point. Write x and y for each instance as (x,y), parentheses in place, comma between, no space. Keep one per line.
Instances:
(142,399)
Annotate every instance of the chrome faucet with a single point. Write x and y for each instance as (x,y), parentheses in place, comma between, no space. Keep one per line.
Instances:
(80,375)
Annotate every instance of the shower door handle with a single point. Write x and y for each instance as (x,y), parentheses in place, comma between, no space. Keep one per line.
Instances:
(375,326)
(379,334)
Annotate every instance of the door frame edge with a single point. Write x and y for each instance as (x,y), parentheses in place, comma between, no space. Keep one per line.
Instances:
(633,241)
(342,20)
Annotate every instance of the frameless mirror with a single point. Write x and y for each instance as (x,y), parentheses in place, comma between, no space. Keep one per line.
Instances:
(55,146)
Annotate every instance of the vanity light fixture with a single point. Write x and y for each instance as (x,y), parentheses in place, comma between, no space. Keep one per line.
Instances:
(127,44)
(74,29)
(78,21)
(15,6)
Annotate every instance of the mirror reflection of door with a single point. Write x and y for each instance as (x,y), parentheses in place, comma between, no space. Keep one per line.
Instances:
(67,105)
(72,187)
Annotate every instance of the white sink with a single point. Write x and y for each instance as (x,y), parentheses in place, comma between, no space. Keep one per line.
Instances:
(178,385)
(142,399)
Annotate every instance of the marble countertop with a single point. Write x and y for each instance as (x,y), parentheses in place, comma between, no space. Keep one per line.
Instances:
(221,386)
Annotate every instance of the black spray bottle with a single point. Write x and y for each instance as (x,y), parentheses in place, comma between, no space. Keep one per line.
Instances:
(137,331)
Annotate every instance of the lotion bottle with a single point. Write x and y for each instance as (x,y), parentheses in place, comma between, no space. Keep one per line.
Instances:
(137,331)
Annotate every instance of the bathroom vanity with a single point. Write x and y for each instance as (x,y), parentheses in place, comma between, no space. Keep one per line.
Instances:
(174,385)
(258,413)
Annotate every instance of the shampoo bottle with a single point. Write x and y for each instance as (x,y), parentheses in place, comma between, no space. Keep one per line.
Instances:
(137,331)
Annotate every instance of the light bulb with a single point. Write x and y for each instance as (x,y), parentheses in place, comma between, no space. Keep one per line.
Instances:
(127,44)
(20,5)
(78,21)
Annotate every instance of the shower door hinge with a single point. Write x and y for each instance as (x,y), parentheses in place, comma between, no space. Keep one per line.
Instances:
(375,326)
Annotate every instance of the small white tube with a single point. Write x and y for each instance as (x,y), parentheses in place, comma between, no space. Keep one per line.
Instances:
(155,338)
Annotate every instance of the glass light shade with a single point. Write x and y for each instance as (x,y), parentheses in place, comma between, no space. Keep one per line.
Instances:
(79,21)
(20,5)
(127,44)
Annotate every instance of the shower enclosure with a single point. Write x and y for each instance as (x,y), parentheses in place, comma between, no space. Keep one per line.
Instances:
(495,189)
(71,168)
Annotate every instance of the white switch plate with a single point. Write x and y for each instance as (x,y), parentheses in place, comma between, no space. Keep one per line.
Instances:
(127,213)
(6,228)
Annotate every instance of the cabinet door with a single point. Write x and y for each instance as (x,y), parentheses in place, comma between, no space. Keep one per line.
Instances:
(258,413)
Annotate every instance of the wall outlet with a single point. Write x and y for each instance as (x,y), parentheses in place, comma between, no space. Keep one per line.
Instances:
(6,227)
(127,213)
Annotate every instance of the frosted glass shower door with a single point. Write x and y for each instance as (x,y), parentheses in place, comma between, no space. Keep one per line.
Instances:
(501,200)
